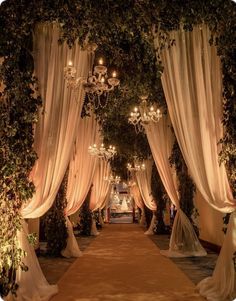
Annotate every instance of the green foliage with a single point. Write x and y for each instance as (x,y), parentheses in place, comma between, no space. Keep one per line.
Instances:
(18,113)
(160,197)
(32,238)
(55,222)
(86,216)
(186,186)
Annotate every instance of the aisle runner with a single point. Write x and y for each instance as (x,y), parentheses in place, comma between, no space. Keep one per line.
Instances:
(123,264)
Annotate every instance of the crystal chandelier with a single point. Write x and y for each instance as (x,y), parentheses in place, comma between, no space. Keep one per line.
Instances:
(96,85)
(102,152)
(136,166)
(143,115)
(112,180)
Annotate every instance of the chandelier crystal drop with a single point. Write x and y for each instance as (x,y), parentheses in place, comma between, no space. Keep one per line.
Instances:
(112,179)
(96,85)
(136,166)
(143,115)
(102,152)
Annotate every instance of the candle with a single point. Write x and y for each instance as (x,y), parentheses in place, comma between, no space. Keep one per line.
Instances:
(100,61)
(114,74)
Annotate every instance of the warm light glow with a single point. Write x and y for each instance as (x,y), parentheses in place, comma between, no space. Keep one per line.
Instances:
(158,111)
(70,63)
(100,61)
(135,109)
(131,114)
(151,109)
(114,74)
(94,145)
(103,80)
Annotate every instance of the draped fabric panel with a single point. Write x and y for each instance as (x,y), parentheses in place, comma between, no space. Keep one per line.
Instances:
(82,165)
(59,116)
(55,133)
(183,241)
(32,284)
(144,184)
(100,187)
(192,83)
(81,171)
(135,193)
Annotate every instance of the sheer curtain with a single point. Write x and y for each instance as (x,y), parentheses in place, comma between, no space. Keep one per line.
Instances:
(192,82)
(100,189)
(54,136)
(81,171)
(183,240)
(144,183)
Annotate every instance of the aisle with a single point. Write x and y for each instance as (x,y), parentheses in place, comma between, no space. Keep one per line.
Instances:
(123,264)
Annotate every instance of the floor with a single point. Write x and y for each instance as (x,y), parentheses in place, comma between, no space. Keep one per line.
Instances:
(131,265)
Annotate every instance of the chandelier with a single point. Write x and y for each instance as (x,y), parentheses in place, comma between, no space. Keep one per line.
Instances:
(112,180)
(102,152)
(96,85)
(136,166)
(143,115)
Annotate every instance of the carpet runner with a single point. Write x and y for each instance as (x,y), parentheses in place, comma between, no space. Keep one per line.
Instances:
(124,264)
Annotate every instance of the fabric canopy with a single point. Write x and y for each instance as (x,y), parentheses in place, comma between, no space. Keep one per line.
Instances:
(192,83)
(55,133)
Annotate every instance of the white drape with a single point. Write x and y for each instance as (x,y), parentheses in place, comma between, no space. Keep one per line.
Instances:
(143,178)
(81,171)
(135,192)
(192,83)
(183,241)
(144,184)
(54,136)
(32,284)
(100,189)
